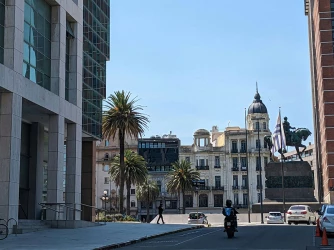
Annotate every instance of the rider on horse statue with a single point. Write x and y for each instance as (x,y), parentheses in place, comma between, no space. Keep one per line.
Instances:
(289,135)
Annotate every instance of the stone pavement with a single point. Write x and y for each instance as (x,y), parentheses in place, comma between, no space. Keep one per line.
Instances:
(99,237)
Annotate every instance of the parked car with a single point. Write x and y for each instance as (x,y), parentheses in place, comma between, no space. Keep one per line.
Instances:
(275,218)
(327,219)
(197,218)
(301,214)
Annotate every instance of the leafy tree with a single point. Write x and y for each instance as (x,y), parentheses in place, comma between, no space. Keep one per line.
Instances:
(135,172)
(147,192)
(181,178)
(123,117)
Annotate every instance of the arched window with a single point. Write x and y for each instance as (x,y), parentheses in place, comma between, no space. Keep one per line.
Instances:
(203,200)
(106,157)
(188,200)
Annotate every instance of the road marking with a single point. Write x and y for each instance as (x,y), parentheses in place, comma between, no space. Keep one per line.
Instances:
(189,233)
(197,237)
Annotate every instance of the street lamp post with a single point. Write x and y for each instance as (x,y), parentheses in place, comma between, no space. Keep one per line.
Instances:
(260,168)
(105,198)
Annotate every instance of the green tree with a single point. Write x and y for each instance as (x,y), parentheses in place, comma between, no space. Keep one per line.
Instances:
(135,172)
(123,117)
(147,192)
(180,179)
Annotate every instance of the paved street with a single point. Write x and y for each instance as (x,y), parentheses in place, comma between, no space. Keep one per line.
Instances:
(249,238)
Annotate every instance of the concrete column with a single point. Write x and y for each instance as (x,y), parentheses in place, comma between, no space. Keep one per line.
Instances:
(88,179)
(55,162)
(58,50)
(10,144)
(13,43)
(36,170)
(73,169)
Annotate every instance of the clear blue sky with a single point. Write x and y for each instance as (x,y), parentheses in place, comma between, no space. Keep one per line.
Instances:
(194,63)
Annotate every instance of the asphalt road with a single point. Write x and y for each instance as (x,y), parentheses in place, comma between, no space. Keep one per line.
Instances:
(249,237)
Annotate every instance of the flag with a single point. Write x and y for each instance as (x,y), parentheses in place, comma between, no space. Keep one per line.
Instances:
(278,137)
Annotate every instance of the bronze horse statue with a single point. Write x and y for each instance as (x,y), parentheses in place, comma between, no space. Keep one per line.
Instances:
(299,135)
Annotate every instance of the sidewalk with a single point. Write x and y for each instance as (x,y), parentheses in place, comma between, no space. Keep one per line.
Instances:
(99,237)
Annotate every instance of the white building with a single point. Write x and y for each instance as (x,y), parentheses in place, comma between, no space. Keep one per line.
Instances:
(221,159)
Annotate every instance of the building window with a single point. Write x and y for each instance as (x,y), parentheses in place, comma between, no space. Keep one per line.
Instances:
(235,180)
(258,163)
(234,147)
(257,126)
(188,200)
(218,200)
(203,200)
(243,163)
(188,159)
(171,204)
(2,30)
(217,161)
(236,199)
(106,157)
(133,191)
(264,125)
(202,162)
(265,144)
(258,197)
(265,159)
(106,168)
(243,147)
(235,162)
(159,185)
(106,143)
(133,204)
(258,181)
(69,38)
(245,199)
(244,181)
(106,180)
(258,144)
(217,181)
(37,43)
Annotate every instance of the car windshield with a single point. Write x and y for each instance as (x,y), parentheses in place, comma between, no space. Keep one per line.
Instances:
(275,214)
(194,216)
(297,208)
(330,210)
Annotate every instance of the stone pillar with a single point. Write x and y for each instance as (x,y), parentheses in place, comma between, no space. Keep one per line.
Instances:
(13,43)
(58,50)
(73,169)
(36,170)
(10,144)
(55,163)
(88,180)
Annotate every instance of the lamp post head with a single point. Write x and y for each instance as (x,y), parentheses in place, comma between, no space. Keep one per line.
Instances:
(105,192)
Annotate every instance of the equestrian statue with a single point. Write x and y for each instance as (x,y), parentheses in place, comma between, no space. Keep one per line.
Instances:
(293,137)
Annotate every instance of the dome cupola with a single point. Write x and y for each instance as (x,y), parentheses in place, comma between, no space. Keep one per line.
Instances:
(257,107)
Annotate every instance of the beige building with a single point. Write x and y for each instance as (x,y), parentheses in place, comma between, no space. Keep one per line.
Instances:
(105,151)
(221,159)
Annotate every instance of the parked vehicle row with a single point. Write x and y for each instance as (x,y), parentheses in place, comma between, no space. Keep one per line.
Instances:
(296,214)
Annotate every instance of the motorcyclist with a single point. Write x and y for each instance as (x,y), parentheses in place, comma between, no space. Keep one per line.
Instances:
(234,213)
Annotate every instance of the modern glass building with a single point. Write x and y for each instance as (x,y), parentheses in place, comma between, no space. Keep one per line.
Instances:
(52,82)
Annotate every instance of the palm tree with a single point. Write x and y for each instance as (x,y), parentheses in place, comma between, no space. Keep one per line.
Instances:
(123,117)
(135,172)
(181,178)
(147,193)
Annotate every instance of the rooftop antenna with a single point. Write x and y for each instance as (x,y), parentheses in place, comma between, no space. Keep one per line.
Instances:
(228,124)
(256,88)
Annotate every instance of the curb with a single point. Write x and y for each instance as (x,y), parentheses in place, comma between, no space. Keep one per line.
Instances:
(130,242)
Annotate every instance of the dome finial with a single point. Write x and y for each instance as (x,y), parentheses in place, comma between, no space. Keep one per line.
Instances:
(256,88)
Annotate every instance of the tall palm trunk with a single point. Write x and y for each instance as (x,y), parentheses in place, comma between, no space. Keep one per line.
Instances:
(148,208)
(122,168)
(128,189)
(183,203)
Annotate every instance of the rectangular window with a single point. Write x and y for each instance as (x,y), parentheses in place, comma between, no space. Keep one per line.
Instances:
(244,181)
(106,180)
(2,30)
(217,161)
(170,204)
(133,191)
(243,163)
(235,180)
(258,197)
(257,125)
(202,162)
(106,143)
(258,163)
(243,147)
(236,199)
(37,43)
(258,144)
(264,125)
(133,204)
(235,162)
(258,181)
(217,181)
(234,147)
(245,199)
(218,200)
(188,159)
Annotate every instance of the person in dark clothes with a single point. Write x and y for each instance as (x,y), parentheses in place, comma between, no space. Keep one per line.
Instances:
(160,214)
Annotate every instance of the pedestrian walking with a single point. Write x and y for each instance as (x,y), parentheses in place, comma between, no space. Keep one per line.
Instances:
(160,214)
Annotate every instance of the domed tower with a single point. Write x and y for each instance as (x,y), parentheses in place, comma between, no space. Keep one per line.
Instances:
(202,138)
(257,114)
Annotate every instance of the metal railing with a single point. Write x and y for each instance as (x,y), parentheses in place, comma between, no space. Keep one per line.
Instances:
(96,211)
(4,228)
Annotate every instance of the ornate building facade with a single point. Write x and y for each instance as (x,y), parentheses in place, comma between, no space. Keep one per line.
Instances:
(230,162)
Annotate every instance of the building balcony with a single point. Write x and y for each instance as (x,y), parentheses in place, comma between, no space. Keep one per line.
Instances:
(202,167)
(235,169)
(234,151)
(218,188)
(217,166)
(235,187)
(244,187)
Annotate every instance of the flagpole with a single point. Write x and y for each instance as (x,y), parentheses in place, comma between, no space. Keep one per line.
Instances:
(248,193)
(282,169)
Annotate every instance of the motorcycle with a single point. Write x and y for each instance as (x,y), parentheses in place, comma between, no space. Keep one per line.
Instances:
(229,223)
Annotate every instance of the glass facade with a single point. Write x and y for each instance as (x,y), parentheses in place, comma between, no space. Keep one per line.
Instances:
(2,29)
(96,52)
(37,42)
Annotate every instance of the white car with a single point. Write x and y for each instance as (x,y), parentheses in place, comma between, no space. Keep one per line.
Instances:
(327,219)
(197,218)
(275,218)
(301,214)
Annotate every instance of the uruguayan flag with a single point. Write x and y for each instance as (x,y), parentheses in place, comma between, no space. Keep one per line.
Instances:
(278,137)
